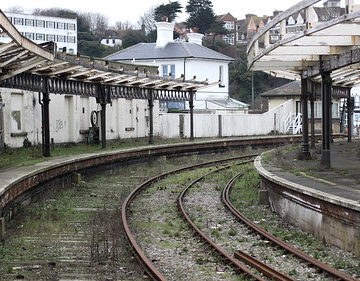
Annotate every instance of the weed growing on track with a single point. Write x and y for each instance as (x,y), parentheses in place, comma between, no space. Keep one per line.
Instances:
(244,196)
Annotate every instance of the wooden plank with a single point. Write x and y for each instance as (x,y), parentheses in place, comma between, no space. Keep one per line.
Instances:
(309,50)
(39,61)
(289,58)
(114,78)
(81,73)
(64,70)
(6,46)
(14,58)
(51,65)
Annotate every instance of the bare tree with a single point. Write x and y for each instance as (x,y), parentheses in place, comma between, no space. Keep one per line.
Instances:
(98,23)
(123,25)
(148,21)
(15,9)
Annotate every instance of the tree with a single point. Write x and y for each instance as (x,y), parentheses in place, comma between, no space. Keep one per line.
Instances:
(133,37)
(148,21)
(168,10)
(217,28)
(201,15)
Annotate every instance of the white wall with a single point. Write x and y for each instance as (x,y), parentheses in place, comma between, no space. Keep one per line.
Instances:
(232,125)
(69,114)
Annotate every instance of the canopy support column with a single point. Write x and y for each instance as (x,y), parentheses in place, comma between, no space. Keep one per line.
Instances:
(46,116)
(350,107)
(312,116)
(191,105)
(326,104)
(305,153)
(151,116)
(103,97)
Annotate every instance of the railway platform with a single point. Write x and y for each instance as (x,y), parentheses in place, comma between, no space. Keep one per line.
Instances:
(324,202)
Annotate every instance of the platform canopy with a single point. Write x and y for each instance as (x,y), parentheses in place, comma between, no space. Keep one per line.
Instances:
(330,46)
(27,60)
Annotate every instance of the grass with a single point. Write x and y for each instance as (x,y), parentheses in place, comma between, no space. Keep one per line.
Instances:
(244,196)
(29,156)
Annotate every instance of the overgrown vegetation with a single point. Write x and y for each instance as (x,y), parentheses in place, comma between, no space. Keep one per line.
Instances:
(33,154)
(244,195)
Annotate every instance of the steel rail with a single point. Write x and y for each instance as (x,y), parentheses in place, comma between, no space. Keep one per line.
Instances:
(226,198)
(267,271)
(150,268)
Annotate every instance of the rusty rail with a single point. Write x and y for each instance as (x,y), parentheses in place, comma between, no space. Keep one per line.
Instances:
(334,272)
(267,271)
(150,268)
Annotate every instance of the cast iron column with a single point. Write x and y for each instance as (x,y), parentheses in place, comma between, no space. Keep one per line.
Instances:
(102,98)
(103,125)
(46,116)
(349,105)
(312,117)
(305,153)
(151,116)
(326,103)
(191,105)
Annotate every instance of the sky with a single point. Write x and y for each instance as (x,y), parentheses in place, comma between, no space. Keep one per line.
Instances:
(132,10)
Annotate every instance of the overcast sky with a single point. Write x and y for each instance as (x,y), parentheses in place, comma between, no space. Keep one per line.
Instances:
(131,10)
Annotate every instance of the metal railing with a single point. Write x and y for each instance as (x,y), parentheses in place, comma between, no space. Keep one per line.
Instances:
(293,123)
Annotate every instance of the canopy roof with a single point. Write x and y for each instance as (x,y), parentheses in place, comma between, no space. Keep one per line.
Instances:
(331,46)
(24,56)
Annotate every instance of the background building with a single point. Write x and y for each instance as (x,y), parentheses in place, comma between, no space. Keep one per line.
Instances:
(40,29)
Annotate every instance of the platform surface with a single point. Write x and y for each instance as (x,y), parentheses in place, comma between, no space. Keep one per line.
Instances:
(342,180)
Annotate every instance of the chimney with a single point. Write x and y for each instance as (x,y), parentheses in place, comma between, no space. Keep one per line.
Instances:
(195,37)
(164,33)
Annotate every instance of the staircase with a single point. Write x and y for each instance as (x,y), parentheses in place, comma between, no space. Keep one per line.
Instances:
(293,124)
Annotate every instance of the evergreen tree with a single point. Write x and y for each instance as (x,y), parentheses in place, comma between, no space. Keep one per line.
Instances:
(201,15)
(169,10)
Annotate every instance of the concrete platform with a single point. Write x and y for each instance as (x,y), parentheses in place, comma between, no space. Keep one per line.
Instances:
(325,203)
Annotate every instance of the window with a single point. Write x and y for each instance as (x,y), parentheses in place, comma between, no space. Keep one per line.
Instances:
(229,25)
(18,21)
(50,37)
(50,24)
(40,23)
(107,41)
(71,39)
(229,39)
(318,110)
(60,38)
(60,25)
(113,41)
(29,22)
(10,19)
(29,35)
(71,26)
(168,69)
(40,36)
(71,51)
(221,74)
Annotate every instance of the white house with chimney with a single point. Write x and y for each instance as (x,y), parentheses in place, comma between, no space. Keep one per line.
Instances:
(188,59)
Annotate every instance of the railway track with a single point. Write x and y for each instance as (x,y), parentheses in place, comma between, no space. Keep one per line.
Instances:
(151,270)
(278,242)
(261,272)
